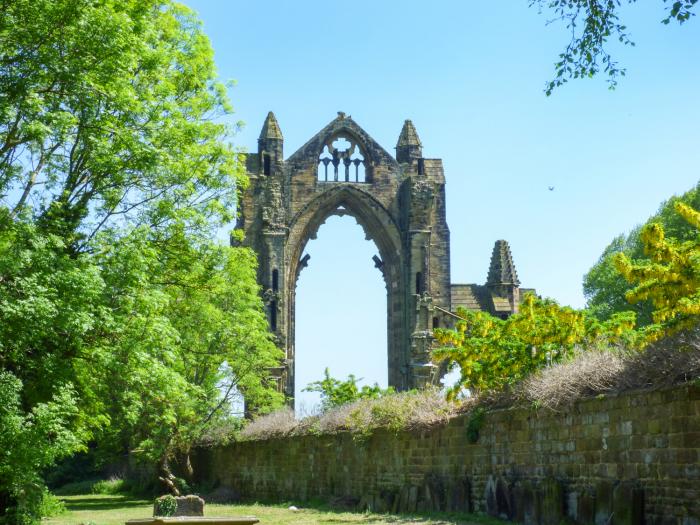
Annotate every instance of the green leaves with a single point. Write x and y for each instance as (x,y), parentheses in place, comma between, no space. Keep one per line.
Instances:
(493,353)
(108,113)
(680,11)
(670,276)
(592,24)
(605,288)
(335,392)
(31,441)
(114,175)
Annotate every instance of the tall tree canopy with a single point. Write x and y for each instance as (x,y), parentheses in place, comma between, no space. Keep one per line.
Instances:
(605,288)
(106,115)
(118,310)
(670,276)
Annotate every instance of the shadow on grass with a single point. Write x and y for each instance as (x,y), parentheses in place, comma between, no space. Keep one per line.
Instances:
(103,503)
(428,517)
(387,517)
(371,517)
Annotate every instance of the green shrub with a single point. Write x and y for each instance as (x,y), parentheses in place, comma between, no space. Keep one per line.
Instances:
(51,505)
(183,486)
(75,488)
(30,441)
(165,506)
(110,486)
(336,393)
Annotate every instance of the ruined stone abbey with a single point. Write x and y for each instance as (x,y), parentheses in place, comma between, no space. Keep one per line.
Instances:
(400,203)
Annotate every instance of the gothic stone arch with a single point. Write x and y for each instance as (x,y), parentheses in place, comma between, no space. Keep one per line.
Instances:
(400,204)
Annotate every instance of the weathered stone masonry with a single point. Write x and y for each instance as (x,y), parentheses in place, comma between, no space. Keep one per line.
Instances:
(633,458)
(400,203)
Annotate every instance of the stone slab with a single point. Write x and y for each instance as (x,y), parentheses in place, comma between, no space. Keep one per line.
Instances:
(196,520)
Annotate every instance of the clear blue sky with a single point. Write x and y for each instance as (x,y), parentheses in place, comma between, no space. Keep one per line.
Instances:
(470,75)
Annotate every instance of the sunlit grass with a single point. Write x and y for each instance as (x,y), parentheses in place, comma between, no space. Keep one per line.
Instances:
(102,509)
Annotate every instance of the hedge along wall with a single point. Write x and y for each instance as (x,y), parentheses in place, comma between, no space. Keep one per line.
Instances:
(632,458)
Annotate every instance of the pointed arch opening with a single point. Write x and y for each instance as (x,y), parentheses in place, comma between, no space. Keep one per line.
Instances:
(341,313)
(379,227)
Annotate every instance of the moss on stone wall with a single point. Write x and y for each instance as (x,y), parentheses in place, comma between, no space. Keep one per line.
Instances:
(639,451)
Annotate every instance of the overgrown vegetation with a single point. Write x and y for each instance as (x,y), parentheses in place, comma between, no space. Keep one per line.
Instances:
(394,412)
(335,392)
(593,371)
(605,288)
(585,372)
(495,354)
(124,325)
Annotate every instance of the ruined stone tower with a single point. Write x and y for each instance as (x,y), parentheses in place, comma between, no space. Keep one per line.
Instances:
(399,202)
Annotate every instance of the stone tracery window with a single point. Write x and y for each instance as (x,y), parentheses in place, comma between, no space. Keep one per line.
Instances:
(341,160)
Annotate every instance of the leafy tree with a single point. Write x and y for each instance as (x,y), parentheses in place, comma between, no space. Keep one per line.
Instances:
(669,278)
(593,24)
(335,392)
(493,353)
(114,176)
(605,287)
(32,440)
(199,336)
(106,116)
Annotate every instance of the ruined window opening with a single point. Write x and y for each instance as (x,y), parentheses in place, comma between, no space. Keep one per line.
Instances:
(273,316)
(266,164)
(358,161)
(323,161)
(421,166)
(275,280)
(436,322)
(344,159)
(419,282)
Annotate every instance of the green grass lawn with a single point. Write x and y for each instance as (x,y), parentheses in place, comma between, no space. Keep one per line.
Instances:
(112,510)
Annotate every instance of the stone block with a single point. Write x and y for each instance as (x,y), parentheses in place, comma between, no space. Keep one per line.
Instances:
(552,502)
(523,503)
(628,504)
(459,496)
(412,500)
(603,502)
(184,506)
(498,498)
(583,510)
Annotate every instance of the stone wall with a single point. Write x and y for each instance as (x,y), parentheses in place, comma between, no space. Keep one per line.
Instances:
(630,458)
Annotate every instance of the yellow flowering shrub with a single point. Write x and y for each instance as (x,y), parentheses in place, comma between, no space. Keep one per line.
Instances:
(492,353)
(669,278)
